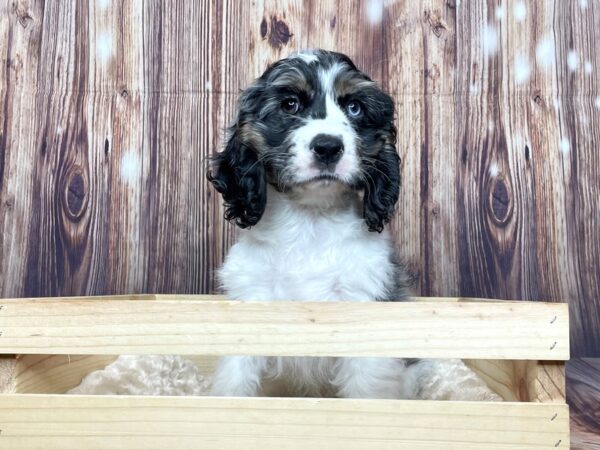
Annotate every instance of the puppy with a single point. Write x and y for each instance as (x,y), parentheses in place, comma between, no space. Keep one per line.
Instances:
(311,173)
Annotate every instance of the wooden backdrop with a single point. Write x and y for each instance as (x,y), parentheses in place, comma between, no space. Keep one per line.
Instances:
(109,109)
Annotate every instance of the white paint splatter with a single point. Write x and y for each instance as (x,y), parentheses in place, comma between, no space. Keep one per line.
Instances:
(583,4)
(494,169)
(520,11)
(572,60)
(375,11)
(104,47)
(208,85)
(557,104)
(544,52)
(585,120)
(490,126)
(489,40)
(597,102)
(59,130)
(588,67)
(130,167)
(518,140)
(565,146)
(103,4)
(500,13)
(522,69)
(473,89)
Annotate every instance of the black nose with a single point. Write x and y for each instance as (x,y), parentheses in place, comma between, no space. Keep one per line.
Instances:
(327,149)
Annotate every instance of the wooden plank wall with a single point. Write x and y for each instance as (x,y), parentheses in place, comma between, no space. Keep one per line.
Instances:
(109,109)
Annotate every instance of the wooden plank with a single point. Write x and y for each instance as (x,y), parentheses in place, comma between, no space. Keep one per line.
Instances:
(173,423)
(511,330)
(523,381)
(583,376)
(118,116)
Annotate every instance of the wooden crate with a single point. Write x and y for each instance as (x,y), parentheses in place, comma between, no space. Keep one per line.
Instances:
(517,347)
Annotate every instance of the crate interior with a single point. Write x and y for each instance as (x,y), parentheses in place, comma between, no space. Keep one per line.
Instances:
(537,381)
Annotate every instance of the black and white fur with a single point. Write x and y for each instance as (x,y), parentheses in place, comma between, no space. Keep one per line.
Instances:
(315,215)
(311,171)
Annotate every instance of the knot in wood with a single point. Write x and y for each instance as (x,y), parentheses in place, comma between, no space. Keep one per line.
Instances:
(436,23)
(279,33)
(75,194)
(500,202)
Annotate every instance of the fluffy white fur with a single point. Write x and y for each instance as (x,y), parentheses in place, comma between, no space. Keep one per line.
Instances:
(312,245)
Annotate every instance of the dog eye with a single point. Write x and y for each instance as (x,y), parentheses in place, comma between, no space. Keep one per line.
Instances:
(353,109)
(290,105)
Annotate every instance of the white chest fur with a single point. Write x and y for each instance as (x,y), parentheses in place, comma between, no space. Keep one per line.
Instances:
(299,253)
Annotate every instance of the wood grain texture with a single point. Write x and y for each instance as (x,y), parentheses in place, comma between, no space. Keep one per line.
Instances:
(506,330)
(107,422)
(583,392)
(105,132)
(524,381)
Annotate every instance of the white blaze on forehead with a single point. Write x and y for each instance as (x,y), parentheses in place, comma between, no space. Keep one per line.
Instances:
(305,55)
(328,76)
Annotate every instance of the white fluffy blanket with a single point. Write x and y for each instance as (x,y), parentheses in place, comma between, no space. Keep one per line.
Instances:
(175,375)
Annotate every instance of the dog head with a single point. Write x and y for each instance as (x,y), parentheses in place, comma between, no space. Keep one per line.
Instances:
(312,123)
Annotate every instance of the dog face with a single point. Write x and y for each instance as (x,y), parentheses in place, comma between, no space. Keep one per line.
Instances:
(311,123)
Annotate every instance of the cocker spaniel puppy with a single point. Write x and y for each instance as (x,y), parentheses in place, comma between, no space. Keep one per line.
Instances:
(311,172)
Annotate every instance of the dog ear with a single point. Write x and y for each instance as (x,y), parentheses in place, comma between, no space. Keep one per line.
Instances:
(237,173)
(383,184)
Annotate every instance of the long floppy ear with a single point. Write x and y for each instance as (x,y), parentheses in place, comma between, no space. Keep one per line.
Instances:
(238,175)
(383,177)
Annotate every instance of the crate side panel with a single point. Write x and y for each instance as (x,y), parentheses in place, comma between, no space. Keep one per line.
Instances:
(153,423)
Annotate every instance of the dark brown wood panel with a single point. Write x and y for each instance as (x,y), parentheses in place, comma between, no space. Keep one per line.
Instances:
(583,397)
(109,110)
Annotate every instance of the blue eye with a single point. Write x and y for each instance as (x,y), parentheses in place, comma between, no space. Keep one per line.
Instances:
(354,109)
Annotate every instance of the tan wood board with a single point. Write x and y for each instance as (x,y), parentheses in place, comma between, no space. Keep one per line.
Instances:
(508,330)
(173,423)
(105,133)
